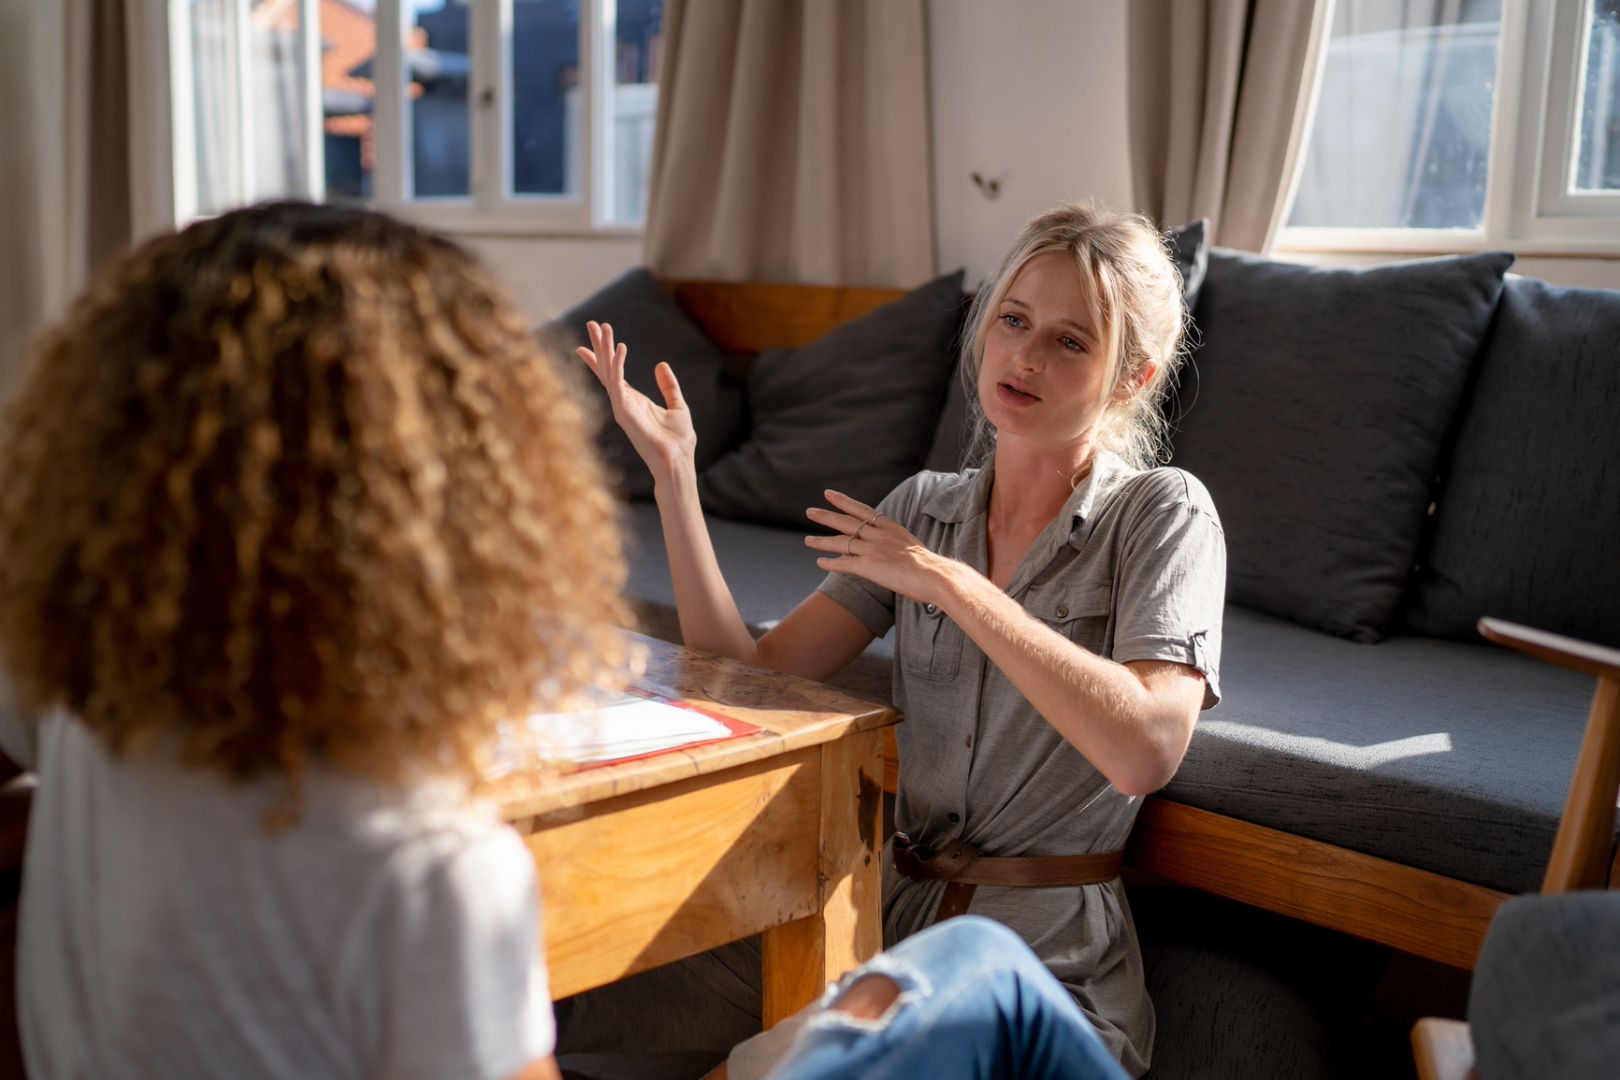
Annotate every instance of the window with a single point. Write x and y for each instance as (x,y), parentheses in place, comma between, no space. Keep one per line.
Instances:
(467,114)
(1457,125)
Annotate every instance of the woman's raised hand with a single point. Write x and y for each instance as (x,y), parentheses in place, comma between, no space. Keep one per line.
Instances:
(662,435)
(876,548)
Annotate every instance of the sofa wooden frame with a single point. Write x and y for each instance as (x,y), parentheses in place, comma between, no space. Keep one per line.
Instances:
(1422,913)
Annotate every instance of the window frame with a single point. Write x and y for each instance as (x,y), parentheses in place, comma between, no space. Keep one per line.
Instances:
(1534,133)
(491,208)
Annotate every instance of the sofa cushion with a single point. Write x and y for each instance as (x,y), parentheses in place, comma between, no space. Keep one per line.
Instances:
(1447,757)
(1527,524)
(852,410)
(647,318)
(1316,412)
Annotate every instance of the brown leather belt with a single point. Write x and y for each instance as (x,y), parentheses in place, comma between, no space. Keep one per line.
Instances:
(964,869)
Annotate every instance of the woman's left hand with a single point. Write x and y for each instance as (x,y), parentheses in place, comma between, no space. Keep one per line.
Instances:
(875,548)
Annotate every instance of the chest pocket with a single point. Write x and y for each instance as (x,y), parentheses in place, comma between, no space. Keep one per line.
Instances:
(1084,617)
(930,645)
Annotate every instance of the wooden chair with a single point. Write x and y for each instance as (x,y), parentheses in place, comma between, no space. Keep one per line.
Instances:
(1581,849)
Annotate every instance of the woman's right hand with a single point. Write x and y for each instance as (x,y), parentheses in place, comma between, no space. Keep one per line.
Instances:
(662,435)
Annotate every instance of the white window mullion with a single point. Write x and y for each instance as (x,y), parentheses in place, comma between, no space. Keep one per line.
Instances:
(592,67)
(1559,120)
(245,189)
(314,134)
(182,112)
(391,118)
(1506,182)
(489,101)
(599,195)
(1604,107)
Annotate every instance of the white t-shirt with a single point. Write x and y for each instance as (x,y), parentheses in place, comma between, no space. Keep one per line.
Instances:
(165,933)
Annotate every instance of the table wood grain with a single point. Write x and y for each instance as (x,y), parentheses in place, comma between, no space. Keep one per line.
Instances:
(775,833)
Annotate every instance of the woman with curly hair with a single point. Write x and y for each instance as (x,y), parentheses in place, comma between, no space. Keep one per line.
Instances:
(295,513)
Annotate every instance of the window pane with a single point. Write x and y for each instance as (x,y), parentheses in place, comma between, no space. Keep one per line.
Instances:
(348,96)
(437,67)
(1598,166)
(213,103)
(547,109)
(1403,125)
(276,98)
(638,46)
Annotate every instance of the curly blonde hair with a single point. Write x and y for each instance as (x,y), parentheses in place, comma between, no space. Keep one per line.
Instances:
(296,486)
(1134,293)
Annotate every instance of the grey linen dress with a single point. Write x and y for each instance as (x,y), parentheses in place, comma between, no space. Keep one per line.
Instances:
(1132,568)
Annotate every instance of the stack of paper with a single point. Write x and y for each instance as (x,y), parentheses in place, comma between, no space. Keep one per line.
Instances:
(622,727)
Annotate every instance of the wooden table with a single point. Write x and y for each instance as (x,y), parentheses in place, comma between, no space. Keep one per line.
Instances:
(776,833)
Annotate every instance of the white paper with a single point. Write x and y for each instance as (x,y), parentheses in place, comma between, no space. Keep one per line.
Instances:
(625,726)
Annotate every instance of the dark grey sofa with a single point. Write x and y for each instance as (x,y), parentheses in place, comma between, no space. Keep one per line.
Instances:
(1426,748)
(1448,757)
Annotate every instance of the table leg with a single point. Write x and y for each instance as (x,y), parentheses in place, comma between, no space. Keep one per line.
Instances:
(801,957)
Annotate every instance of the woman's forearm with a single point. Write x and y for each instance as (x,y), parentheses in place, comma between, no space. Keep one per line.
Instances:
(1101,707)
(708,613)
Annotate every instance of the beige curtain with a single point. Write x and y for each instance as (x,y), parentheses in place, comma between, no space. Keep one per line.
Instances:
(792,143)
(22,299)
(67,98)
(1221,96)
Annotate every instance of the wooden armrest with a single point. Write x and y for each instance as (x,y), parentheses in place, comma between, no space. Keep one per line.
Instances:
(1582,848)
(1443,1050)
(1595,660)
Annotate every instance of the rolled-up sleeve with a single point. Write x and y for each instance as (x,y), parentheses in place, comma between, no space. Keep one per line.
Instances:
(1171,591)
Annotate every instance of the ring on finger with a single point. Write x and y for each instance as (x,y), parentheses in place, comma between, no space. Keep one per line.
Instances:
(856,535)
(871,520)
(849,548)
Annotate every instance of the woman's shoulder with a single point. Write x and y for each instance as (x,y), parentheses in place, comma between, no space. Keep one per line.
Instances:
(938,494)
(1158,490)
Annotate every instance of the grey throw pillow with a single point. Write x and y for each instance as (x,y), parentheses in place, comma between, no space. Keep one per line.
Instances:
(1527,524)
(648,320)
(1316,410)
(1189,246)
(853,410)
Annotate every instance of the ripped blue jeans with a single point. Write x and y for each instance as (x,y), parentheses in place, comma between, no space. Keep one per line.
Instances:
(974,1003)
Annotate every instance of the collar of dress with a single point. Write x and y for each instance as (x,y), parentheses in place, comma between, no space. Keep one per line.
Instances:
(969,494)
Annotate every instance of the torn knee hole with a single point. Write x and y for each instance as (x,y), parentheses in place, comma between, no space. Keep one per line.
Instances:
(868,998)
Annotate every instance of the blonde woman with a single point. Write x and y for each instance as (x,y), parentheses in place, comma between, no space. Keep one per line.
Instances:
(1058,609)
(294,514)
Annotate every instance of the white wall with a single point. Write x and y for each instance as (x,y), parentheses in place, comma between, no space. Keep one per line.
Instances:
(1032,94)
(1583,272)
(548,275)
(1587,273)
